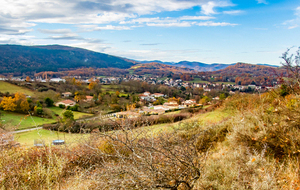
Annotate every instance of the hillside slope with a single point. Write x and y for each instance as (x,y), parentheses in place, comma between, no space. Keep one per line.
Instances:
(254,70)
(21,59)
(158,69)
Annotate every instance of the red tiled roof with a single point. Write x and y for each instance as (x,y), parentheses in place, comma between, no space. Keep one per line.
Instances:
(68,102)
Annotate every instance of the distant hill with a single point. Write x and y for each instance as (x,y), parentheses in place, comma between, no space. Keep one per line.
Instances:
(22,59)
(159,69)
(201,66)
(239,69)
(198,66)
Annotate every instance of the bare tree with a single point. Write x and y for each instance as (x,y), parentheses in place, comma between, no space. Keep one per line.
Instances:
(143,159)
(292,65)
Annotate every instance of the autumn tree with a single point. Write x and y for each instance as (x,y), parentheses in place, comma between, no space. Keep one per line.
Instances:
(24,106)
(8,104)
(27,79)
(92,85)
(79,96)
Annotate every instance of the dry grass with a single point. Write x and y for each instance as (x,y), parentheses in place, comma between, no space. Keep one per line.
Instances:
(253,142)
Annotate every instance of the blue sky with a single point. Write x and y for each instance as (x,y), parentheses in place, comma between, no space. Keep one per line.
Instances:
(209,31)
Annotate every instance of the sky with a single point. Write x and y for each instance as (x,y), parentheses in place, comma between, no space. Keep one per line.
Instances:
(208,31)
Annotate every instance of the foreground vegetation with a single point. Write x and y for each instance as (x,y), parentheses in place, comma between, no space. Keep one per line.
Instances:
(253,145)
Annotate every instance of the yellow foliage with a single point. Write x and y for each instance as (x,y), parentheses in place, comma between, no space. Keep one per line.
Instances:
(8,104)
(92,85)
(19,96)
(24,105)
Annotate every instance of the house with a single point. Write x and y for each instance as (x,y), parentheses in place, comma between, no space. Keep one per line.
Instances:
(65,103)
(171,105)
(160,107)
(89,98)
(157,95)
(67,94)
(189,103)
(147,93)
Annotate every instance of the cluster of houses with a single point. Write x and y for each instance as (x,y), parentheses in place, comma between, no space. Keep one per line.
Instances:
(69,102)
(207,86)
(156,110)
(147,96)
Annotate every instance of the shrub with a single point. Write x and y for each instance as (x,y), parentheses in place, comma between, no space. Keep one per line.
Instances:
(62,106)
(68,114)
(49,102)
(38,110)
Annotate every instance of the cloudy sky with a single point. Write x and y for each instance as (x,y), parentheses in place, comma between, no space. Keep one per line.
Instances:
(209,31)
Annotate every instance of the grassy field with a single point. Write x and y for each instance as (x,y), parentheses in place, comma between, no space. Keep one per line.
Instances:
(21,121)
(225,82)
(198,80)
(200,119)
(11,88)
(163,78)
(77,115)
(27,138)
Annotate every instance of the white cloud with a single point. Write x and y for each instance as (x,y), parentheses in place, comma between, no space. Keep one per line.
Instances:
(196,18)
(55,31)
(111,27)
(235,12)
(208,8)
(174,24)
(262,2)
(294,23)
(18,16)
(209,23)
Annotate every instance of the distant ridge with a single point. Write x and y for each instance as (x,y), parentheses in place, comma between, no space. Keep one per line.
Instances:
(202,67)
(22,59)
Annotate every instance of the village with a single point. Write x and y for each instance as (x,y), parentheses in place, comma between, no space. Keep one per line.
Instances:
(146,98)
(207,86)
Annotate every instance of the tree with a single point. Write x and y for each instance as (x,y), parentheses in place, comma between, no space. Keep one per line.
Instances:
(27,79)
(138,160)
(8,104)
(204,100)
(222,96)
(24,106)
(49,102)
(68,114)
(38,110)
(92,85)
(292,65)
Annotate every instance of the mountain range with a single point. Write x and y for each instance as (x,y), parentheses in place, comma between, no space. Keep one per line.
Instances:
(22,59)
(19,59)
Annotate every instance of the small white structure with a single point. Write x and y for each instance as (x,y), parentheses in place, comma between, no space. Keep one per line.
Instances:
(57,80)
(67,94)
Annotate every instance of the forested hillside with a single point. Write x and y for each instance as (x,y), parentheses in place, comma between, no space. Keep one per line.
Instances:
(22,59)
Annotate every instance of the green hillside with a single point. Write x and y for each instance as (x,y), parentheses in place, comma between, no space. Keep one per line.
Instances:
(12,89)
(21,59)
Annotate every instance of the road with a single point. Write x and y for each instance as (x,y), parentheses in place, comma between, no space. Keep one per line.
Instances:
(26,130)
